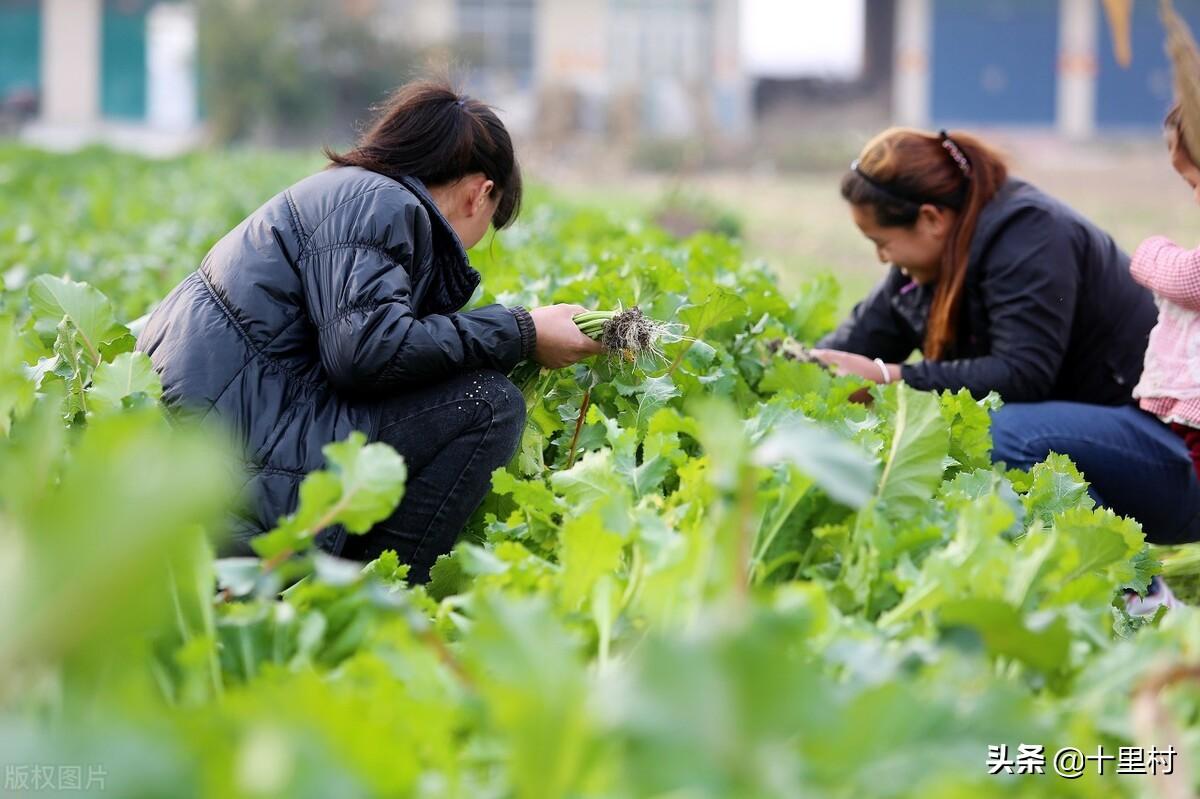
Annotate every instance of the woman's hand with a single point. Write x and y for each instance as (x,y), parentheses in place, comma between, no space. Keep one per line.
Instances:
(559,341)
(848,363)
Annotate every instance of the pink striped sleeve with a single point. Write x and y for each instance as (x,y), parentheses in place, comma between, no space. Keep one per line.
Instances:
(1168,270)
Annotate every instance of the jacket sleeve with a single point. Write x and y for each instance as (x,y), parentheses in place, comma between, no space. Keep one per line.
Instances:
(1168,270)
(873,328)
(359,299)
(1030,286)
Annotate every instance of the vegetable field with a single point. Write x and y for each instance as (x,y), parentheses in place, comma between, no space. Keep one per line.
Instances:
(705,574)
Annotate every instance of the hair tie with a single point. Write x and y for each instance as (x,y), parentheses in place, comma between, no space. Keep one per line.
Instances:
(956,153)
(461,102)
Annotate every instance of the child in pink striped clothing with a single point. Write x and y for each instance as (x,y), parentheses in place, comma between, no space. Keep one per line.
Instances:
(1170,384)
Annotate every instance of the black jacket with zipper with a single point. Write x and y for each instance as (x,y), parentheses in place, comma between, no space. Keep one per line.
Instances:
(338,291)
(1049,311)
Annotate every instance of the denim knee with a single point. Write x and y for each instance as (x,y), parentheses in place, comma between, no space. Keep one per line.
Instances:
(1011,436)
(507,407)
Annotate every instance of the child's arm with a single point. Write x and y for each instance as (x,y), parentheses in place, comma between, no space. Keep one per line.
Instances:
(1168,270)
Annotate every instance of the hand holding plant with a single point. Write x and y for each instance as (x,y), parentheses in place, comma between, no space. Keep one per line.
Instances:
(559,341)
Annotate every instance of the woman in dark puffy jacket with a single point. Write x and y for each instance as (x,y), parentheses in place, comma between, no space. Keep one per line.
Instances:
(336,307)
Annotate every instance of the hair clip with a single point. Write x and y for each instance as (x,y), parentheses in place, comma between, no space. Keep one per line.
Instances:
(956,153)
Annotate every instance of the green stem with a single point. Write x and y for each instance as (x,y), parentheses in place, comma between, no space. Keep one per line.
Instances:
(244,651)
(591,323)
(273,562)
(768,569)
(915,601)
(745,532)
(165,684)
(764,544)
(679,358)
(583,409)
(185,632)
(592,316)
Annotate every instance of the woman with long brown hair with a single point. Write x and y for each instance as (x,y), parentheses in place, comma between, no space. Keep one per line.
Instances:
(1003,288)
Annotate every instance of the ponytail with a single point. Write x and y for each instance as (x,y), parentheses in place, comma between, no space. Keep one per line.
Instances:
(429,131)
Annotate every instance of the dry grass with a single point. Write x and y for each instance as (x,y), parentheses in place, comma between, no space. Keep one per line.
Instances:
(800,225)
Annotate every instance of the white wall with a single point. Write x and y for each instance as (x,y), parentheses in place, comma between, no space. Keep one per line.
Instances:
(911,87)
(171,67)
(1077,68)
(70,61)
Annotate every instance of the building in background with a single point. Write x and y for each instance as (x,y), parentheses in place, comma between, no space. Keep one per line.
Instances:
(1029,63)
(20,25)
(821,64)
(668,68)
(1040,65)
(125,71)
(674,66)
(117,71)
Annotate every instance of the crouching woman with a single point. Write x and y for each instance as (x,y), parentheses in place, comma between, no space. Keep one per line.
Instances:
(1004,288)
(336,307)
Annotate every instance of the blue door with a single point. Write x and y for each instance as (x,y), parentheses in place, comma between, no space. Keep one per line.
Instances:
(20,46)
(123,59)
(994,62)
(1139,97)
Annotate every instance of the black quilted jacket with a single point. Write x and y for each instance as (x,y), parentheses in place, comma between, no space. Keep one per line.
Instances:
(338,291)
(1049,311)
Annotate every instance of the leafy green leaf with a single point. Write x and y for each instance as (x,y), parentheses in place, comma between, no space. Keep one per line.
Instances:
(1055,486)
(970,428)
(592,479)
(652,394)
(447,577)
(72,366)
(89,311)
(129,375)
(842,470)
(589,552)
(16,386)
(719,308)
(362,486)
(387,568)
(916,457)
(1006,633)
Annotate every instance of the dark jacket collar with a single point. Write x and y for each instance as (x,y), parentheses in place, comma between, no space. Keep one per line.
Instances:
(911,302)
(454,279)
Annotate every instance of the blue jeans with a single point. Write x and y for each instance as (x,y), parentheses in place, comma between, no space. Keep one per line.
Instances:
(452,435)
(1137,466)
